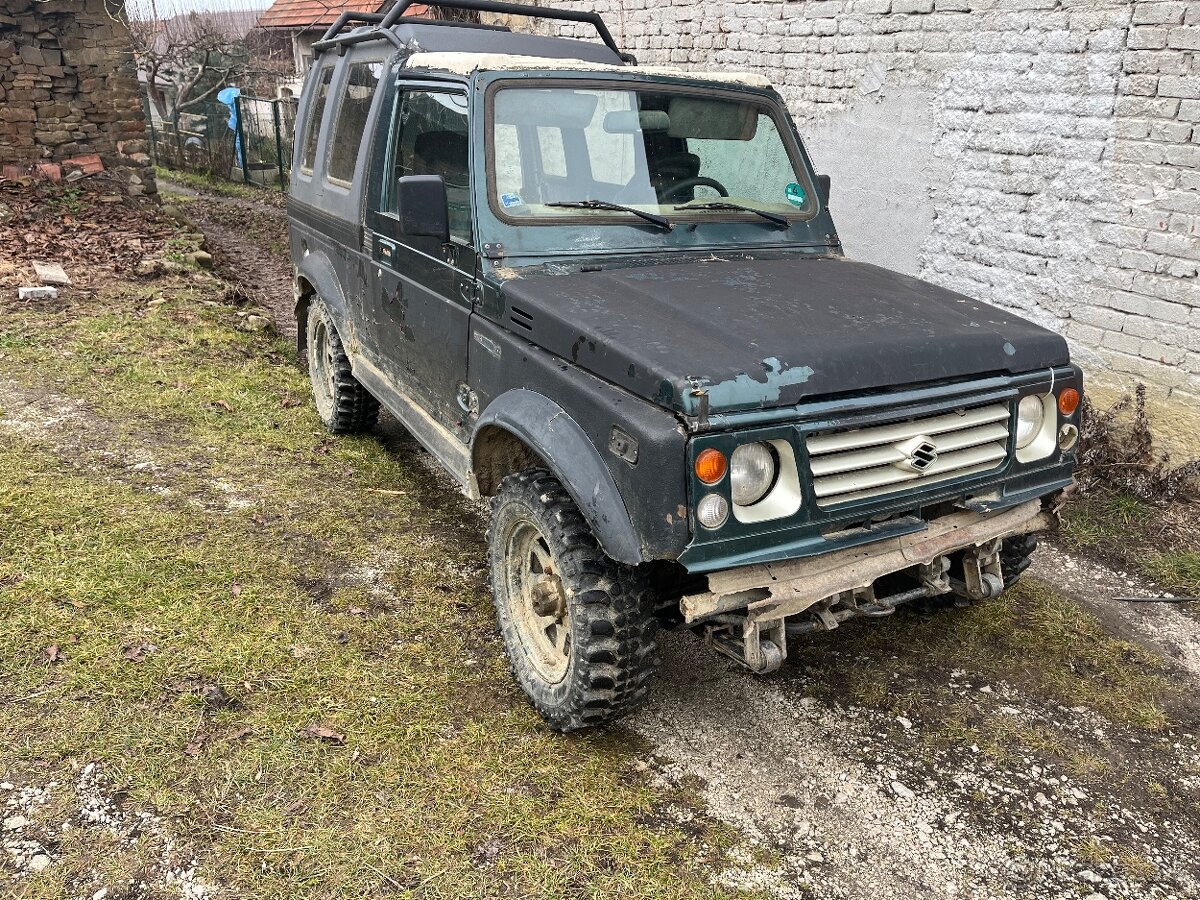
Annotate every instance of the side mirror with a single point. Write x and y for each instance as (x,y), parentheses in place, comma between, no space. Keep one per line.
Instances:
(424,211)
(823,184)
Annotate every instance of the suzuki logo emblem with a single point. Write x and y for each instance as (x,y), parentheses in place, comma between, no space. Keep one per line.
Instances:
(920,453)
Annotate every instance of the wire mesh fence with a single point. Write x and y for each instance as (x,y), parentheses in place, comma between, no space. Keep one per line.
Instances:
(248,140)
(264,140)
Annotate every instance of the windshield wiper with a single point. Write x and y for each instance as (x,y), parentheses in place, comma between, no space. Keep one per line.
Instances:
(777,219)
(660,221)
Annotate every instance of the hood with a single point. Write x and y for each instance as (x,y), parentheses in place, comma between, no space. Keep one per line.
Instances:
(765,333)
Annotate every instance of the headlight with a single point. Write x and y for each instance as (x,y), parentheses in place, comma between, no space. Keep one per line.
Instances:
(1030,414)
(712,510)
(752,468)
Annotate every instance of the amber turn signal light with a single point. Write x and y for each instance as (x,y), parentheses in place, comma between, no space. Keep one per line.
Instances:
(711,466)
(1068,401)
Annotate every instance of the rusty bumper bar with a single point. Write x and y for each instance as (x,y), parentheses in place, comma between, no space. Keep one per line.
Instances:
(775,591)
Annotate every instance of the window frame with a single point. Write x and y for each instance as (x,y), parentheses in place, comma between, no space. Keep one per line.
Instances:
(313,122)
(387,188)
(770,105)
(343,87)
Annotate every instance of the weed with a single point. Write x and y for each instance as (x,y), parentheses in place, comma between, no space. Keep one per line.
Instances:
(1181,570)
(1117,452)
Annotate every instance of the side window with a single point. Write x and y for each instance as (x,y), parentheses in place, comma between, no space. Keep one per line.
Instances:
(507,150)
(312,130)
(432,139)
(554,156)
(355,106)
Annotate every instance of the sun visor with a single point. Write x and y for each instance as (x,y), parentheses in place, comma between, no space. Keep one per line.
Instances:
(707,119)
(552,108)
(628,121)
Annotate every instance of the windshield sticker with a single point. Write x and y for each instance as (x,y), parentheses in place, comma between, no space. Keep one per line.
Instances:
(508,201)
(795,194)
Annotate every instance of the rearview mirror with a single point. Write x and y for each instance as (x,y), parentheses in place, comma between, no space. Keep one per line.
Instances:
(424,211)
(823,184)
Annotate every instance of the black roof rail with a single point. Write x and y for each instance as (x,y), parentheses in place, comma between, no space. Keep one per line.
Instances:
(382,23)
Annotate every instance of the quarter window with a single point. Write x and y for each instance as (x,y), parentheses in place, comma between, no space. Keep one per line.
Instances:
(355,106)
(313,128)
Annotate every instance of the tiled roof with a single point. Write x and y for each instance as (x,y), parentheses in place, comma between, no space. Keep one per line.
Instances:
(322,13)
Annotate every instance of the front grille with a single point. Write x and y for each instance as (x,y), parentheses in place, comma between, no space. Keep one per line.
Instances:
(859,463)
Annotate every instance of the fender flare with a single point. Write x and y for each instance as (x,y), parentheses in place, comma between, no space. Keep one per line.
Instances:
(317,270)
(548,430)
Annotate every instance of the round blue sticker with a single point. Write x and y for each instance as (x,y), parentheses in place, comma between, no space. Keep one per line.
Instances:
(795,194)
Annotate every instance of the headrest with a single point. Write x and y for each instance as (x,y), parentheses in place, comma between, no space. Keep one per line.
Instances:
(442,147)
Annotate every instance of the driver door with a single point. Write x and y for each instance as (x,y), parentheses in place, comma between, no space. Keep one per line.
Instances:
(424,290)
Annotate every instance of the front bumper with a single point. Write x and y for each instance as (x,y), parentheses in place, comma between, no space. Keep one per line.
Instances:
(775,591)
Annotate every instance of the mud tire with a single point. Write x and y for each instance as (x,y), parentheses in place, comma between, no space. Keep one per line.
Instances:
(1016,553)
(609,610)
(344,405)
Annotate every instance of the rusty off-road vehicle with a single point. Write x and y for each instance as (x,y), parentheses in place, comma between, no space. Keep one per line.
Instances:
(612,298)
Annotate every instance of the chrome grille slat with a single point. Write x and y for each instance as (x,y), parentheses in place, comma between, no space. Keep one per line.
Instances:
(856,464)
(829,442)
(886,455)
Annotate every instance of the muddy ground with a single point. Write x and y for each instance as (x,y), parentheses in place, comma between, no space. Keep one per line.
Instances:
(1045,745)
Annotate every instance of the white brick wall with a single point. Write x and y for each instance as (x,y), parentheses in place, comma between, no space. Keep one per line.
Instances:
(1042,155)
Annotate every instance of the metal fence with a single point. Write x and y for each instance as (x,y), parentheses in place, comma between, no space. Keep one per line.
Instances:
(249,141)
(265,136)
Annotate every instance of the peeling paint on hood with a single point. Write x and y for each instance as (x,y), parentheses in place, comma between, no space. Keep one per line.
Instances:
(755,333)
(744,390)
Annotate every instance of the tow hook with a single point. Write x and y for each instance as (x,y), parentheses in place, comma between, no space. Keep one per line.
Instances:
(759,646)
(982,578)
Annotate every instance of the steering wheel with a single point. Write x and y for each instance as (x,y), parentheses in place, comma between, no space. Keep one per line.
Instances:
(698,181)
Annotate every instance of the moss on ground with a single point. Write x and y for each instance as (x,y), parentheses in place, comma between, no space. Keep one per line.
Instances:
(1159,541)
(212,185)
(218,575)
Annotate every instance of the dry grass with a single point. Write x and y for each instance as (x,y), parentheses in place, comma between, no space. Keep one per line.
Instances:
(282,579)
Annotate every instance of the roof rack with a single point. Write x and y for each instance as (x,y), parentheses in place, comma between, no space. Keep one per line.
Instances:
(381,23)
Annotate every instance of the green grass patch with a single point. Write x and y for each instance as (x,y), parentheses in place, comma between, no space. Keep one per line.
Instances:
(255,577)
(1179,569)
(212,185)
(1159,541)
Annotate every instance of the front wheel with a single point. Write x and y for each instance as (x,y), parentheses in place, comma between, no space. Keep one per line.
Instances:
(579,628)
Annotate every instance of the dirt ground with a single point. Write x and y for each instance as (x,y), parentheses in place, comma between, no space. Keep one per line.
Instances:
(1042,745)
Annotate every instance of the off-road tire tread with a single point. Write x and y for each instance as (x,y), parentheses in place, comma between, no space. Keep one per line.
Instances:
(614,653)
(355,410)
(1016,553)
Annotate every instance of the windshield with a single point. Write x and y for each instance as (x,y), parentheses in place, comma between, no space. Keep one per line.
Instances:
(652,150)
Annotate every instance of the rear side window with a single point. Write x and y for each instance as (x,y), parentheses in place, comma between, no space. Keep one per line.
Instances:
(355,106)
(313,129)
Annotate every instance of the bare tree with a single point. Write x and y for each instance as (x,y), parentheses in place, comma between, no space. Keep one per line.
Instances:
(185,58)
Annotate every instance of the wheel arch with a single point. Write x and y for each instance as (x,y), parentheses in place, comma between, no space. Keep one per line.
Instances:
(316,277)
(522,429)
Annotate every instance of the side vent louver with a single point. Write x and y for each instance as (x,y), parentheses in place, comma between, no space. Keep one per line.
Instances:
(520,318)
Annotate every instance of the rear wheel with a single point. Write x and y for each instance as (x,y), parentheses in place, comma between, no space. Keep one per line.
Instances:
(345,406)
(579,628)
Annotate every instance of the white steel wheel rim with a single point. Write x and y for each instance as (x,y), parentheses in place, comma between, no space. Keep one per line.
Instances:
(537,602)
(321,368)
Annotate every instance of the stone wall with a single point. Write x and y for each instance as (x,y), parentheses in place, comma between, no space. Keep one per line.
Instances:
(68,89)
(1042,155)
